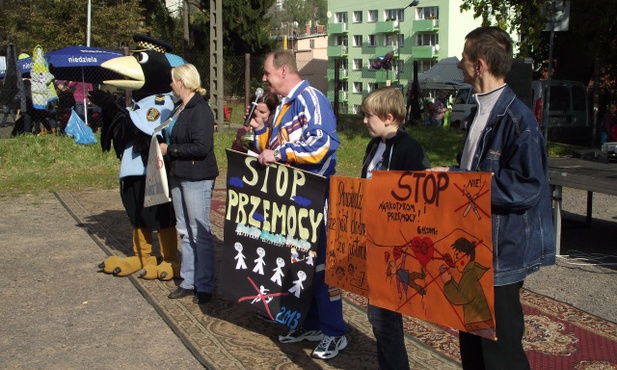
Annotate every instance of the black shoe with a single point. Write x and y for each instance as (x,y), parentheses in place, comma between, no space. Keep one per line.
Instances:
(202,298)
(180,293)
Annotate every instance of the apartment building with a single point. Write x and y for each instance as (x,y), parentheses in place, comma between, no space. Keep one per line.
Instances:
(361,31)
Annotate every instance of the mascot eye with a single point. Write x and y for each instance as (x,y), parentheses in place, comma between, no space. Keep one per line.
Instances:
(142,58)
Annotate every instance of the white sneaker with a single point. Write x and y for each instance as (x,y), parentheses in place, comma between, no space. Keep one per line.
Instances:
(330,347)
(300,334)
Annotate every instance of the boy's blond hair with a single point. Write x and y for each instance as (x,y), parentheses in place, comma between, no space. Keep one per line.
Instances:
(384,101)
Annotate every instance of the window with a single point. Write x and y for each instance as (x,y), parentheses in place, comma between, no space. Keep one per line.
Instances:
(391,40)
(357,16)
(357,87)
(425,39)
(357,64)
(372,16)
(431,12)
(371,62)
(394,14)
(372,40)
(357,40)
(356,109)
(340,40)
(371,86)
(425,65)
(341,17)
(399,66)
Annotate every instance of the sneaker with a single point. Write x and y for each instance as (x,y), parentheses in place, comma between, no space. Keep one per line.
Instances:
(301,334)
(330,347)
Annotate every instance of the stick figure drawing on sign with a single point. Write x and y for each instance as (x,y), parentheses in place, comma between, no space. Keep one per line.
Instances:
(297,288)
(278,271)
(259,262)
(240,265)
(262,294)
(311,256)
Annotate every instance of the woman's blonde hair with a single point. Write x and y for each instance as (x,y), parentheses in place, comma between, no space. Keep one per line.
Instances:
(189,76)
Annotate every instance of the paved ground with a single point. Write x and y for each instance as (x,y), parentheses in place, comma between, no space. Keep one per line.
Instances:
(59,313)
(589,282)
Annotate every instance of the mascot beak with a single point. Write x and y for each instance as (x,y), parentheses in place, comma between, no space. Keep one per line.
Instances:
(129,67)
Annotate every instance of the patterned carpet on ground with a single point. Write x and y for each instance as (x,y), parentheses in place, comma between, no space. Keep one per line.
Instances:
(222,335)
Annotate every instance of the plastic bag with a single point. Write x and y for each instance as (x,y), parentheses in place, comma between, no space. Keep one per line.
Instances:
(77,128)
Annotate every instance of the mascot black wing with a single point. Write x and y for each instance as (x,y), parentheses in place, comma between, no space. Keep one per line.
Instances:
(148,74)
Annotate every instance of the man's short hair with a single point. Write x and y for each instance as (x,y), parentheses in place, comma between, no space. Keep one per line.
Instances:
(283,57)
(386,100)
(493,45)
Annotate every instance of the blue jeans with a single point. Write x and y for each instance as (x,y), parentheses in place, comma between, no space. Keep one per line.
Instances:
(80,109)
(326,311)
(388,330)
(191,200)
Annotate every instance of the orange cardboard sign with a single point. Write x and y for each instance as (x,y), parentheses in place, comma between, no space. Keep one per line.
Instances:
(346,254)
(428,246)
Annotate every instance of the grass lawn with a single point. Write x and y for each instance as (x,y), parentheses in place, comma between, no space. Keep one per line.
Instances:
(48,163)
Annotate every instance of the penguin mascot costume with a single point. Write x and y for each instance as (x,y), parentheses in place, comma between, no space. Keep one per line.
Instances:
(129,130)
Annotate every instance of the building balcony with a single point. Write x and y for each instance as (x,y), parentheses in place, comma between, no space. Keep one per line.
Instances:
(379,75)
(387,27)
(337,51)
(383,50)
(343,96)
(425,52)
(343,74)
(426,25)
(337,28)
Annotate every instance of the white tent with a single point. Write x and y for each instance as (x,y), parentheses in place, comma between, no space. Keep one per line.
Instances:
(442,76)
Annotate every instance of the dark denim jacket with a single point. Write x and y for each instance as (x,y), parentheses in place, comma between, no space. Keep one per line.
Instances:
(512,148)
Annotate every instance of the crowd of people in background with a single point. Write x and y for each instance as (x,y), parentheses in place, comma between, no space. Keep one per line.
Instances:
(52,117)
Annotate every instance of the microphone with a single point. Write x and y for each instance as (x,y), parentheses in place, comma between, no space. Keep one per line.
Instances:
(258,94)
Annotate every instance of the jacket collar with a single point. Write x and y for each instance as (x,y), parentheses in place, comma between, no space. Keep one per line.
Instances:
(194,100)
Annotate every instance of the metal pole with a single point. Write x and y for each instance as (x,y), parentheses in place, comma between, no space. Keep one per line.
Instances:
(547,101)
(185,25)
(247,79)
(89,23)
(337,85)
(398,42)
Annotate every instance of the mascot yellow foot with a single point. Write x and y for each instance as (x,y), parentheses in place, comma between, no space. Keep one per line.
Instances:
(124,266)
(170,266)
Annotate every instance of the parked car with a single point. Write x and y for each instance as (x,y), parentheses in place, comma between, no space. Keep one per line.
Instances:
(461,105)
(568,119)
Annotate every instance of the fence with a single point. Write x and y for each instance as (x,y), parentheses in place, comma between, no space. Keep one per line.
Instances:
(236,74)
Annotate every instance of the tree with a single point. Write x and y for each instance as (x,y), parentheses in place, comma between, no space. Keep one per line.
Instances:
(247,28)
(523,17)
(158,19)
(301,11)
(58,23)
(592,34)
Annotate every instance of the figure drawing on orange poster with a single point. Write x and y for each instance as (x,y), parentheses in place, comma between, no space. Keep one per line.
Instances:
(429,249)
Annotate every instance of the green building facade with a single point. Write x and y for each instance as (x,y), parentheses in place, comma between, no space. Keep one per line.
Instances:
(361,31)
